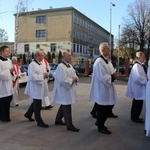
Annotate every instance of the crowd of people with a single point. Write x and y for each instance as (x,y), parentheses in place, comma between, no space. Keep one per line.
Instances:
(102,90)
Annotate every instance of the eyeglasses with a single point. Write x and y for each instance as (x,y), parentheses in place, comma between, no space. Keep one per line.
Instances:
(42,55)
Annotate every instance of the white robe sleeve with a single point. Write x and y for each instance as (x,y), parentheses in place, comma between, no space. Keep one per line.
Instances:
(101,73)
(139,75)
(34,75)
(63,78)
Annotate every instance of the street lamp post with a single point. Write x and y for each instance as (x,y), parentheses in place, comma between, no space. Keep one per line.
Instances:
(118,46)
(111,4)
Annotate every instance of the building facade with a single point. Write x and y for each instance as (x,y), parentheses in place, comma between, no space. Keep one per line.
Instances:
(57,30)
(9,44)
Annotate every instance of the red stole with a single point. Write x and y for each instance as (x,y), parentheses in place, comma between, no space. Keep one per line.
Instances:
(16,72)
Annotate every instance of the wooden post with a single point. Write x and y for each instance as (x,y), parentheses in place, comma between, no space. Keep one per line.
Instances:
(86,74)
(126,68)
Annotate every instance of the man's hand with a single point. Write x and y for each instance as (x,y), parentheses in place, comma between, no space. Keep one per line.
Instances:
(75,79)
(45,75)
(115,75)
(12,69)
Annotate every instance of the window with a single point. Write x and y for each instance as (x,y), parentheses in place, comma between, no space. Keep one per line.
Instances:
(53,47)
(26,48)
(77,48)
(80,48)
(74,48)
(41,19)
(37,46)
(40,33)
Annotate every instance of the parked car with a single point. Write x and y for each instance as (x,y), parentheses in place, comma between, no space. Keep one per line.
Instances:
(53,67)
(24,68)
(24,75)
(81,68)
(23,78)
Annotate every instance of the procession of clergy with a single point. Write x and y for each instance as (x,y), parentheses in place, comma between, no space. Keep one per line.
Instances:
(102,90)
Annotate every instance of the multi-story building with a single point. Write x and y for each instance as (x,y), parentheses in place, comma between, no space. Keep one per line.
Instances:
(9,44)
(58,29)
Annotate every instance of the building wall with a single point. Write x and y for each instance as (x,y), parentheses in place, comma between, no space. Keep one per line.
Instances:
(67,28)
(58,26)
(10,45)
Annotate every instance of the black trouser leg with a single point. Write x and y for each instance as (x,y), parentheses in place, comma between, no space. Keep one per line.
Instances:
(64,111)
(59,115)
(37,104)
(111,112)
(67,115)
(5,108)
(136,109)
(102,115)
(30,111)
(95,109)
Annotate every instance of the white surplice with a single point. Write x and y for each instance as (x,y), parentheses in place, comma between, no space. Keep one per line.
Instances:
(102,89)
(64,90)
(46,101)
(36,87)
(147,118)
(5,78)
(136,87)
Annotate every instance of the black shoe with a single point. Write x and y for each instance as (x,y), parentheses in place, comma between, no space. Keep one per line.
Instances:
(104,131)
(42,124)
(137,120)
(49,107)
(59,123)
(6,120)
(17,105)
(112,116)
(140,118)
(93,115)
(97,125)
(73,129)
(30,119)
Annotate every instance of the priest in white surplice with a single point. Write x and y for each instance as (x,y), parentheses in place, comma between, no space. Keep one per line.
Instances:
(64,91)
(36,88)
(147,118)
(6,90)
(136,87)
(102,88)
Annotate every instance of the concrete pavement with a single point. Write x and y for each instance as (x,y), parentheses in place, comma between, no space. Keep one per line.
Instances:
(20,134)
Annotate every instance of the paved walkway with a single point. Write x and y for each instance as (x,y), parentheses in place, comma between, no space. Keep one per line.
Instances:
(20,134)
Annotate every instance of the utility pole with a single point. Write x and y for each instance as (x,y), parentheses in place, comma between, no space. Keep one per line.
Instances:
(118,46)
(111,4)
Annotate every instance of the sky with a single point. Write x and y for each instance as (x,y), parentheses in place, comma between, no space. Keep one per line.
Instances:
(96,10)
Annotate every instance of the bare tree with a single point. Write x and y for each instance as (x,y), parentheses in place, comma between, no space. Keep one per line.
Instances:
(136,29)
(3,36)
(21,7)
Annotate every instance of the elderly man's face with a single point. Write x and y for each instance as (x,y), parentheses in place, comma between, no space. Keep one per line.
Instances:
(67,57)
(40,56)
(106,51)
(15,61)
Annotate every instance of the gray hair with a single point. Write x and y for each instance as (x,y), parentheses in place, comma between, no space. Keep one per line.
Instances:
(138,54)
(37,53)
(14,58)
(67,51)
(103,46)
